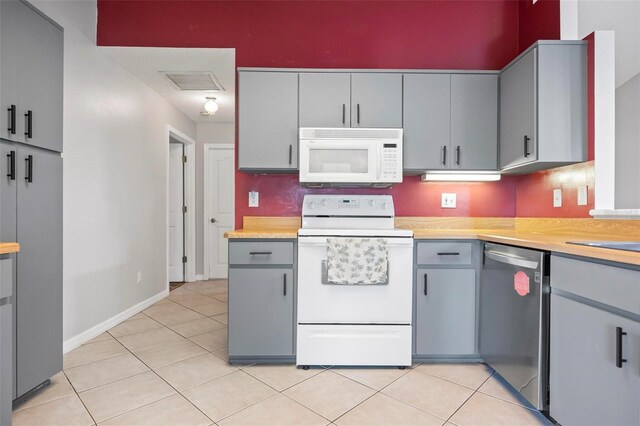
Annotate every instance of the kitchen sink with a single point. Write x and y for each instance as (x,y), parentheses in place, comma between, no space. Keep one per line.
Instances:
(614,245)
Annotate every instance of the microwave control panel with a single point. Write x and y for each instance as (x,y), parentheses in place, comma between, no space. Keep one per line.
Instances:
(391,162)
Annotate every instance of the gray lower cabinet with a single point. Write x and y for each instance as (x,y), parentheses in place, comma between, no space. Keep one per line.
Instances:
(31,76)
(426,121)
(445,312)
(586,386)
(376,100)
(31,213)
(325,99)
(262,294)
(6,339)
(268,121)
(543,116)
(594,361)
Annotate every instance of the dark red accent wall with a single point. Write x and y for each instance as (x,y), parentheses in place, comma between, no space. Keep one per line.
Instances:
(452,34)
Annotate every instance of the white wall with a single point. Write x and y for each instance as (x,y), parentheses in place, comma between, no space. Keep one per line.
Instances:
(115,179)
(206,133)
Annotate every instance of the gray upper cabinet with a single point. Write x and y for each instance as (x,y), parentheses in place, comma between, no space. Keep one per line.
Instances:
(543,119)
(474,122)
(268,121)
(325,99)
(376,100)
(445,312)
(31,77)
(426,121)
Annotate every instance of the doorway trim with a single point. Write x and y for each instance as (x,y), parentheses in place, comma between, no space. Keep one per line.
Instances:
(190,201)
(207,197)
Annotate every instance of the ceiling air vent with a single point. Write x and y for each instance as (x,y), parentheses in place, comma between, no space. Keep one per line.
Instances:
(194,80)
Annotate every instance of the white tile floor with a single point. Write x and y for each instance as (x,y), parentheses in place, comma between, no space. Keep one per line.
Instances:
(168,366)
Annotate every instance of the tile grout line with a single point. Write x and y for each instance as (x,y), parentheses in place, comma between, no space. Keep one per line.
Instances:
(78,396)
(467,400)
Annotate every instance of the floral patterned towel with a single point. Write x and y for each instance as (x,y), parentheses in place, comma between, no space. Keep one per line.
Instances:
(357,261)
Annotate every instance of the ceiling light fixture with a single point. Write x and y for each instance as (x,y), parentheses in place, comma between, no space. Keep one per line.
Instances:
(210,106)
(460,177)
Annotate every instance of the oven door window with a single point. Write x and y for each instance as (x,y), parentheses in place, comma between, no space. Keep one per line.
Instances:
(341,161)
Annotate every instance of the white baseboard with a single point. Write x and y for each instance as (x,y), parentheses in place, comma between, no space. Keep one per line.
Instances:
(200,277)
(79,339)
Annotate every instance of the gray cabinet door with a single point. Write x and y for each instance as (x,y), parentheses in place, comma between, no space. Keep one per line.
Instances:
(39,268)
(6,340)
(474,122)
(376,100)
(261,312)
(518,112)
(446,314)
(586,387)
(268,121)
(426,121)
(325,99)
(8,184)
(40,79)
(9,13)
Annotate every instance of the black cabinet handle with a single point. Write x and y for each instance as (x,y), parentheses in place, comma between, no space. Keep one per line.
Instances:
(29,124)
(425,284)
(29,175)
(448,253)
(12,165)
(444,155)
(284,286)
(358,113)
(526,146)
(457,155)
(12,119)
(344,113)
(260,253)
(290,154)
(619,359)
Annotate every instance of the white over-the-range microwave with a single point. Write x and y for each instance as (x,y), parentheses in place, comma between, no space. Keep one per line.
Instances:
(350,157)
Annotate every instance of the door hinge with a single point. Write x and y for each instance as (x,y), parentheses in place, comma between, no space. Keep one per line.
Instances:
(184,209)
(184,259)
(184,158)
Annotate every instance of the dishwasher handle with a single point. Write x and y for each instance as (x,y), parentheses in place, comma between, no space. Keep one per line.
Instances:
(511,259)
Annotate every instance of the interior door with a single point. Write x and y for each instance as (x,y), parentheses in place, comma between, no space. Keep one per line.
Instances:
(176,213)
(39,267)
(220,166)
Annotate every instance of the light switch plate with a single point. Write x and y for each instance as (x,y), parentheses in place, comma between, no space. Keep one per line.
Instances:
(582,195)
(557,198)
(448,200)
(254,198)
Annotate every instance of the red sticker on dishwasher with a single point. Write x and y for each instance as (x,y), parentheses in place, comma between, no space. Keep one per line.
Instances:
(521,283)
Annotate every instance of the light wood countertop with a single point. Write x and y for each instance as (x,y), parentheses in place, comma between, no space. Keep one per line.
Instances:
(536,233)
(8,248)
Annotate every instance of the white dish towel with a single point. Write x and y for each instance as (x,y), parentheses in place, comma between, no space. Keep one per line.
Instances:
(354,261)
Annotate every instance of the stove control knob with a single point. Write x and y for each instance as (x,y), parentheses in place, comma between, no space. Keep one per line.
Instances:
(323,203)
(383,206)
(310,204)
(371,203)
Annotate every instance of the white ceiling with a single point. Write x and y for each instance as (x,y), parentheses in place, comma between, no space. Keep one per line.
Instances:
(146,63)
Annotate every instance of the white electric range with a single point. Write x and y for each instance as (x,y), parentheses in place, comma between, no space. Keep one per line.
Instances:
(353,324)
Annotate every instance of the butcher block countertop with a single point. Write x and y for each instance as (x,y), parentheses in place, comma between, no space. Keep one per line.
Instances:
(8,248)
(549,234)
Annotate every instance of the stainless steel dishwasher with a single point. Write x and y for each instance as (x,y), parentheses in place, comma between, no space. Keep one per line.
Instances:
(514,318)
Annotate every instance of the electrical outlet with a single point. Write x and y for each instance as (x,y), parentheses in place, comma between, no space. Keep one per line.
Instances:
(254,198)
(448,200)
(557,198)
(139,278)
(582,195)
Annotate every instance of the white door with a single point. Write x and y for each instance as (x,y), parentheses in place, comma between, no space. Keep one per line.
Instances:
(219,169)
(176,215)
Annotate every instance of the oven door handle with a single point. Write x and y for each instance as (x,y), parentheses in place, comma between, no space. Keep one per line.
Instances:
(511,259)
